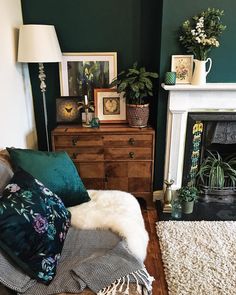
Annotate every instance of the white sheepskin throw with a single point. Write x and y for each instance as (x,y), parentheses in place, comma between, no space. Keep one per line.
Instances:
(117,211)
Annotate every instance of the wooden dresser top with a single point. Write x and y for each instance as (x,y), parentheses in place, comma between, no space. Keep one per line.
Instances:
(109,129)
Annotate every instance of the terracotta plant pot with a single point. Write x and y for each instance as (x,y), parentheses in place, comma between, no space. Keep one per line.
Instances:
(137,115)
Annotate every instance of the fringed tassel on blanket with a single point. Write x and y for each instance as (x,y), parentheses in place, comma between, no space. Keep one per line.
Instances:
(140,277)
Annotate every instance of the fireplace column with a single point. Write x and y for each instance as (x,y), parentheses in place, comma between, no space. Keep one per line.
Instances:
(175,144)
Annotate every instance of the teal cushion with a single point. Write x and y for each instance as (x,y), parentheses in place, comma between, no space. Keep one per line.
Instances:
(33,226)
(55,170)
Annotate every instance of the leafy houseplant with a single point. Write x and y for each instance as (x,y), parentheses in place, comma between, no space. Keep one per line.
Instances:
(216,172)
(188,194)
(136,84)
(200,34)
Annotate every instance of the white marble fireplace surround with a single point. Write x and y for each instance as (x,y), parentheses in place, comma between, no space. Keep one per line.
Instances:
(211,97)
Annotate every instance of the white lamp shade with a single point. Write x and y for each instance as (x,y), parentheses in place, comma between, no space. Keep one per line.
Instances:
(38,43)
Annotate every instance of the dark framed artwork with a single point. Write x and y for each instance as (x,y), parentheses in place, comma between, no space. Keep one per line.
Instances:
(110,106)
(81,73)
(69,109)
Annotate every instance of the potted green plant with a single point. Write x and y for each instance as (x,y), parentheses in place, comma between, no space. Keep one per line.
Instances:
(187,195)
(217,176)
(215,171)
(137,86)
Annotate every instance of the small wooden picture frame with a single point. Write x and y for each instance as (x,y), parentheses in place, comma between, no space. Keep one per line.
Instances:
(110,106)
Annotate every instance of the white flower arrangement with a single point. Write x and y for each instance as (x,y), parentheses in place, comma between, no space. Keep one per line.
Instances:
(200,34)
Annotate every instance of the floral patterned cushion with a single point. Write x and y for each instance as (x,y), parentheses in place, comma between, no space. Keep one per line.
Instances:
(33,226)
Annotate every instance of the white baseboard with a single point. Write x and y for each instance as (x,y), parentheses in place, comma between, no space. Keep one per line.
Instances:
(158,195)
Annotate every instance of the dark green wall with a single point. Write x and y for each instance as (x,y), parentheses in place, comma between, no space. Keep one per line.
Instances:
(139,30)
(224,58)
(125,26)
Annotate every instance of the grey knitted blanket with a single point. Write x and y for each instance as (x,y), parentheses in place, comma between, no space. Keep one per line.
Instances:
(97,259)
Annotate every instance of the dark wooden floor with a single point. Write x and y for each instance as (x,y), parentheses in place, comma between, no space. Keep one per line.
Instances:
(153,261)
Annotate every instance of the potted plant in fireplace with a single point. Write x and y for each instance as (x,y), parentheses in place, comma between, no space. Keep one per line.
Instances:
(217,177)
(137,85)
(187,195)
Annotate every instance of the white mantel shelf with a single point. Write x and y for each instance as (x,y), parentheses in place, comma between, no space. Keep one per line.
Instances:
(205,87)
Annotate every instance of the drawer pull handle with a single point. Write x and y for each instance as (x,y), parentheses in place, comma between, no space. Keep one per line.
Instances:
(75,140)
(131,155)
(74,155)
(131,141)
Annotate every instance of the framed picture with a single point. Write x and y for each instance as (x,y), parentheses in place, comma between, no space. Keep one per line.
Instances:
(68,110)
(183,66)
(110,106)
(81,73)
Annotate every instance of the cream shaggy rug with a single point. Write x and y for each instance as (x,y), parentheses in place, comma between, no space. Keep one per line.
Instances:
(199,257)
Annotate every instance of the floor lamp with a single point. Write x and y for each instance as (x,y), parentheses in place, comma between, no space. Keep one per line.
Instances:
(39,44)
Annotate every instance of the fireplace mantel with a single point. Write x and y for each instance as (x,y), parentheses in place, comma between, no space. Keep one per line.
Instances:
(211,97)
(207,86)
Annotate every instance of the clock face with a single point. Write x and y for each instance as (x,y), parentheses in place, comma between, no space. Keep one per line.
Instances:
(67,110)
(111,105)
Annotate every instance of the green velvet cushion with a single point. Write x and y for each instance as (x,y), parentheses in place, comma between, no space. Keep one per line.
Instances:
(55,170)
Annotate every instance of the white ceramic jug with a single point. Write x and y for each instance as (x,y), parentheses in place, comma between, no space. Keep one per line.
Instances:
(200,73)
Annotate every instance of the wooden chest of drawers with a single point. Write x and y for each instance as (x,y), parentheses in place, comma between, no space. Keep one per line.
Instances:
(116,158)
